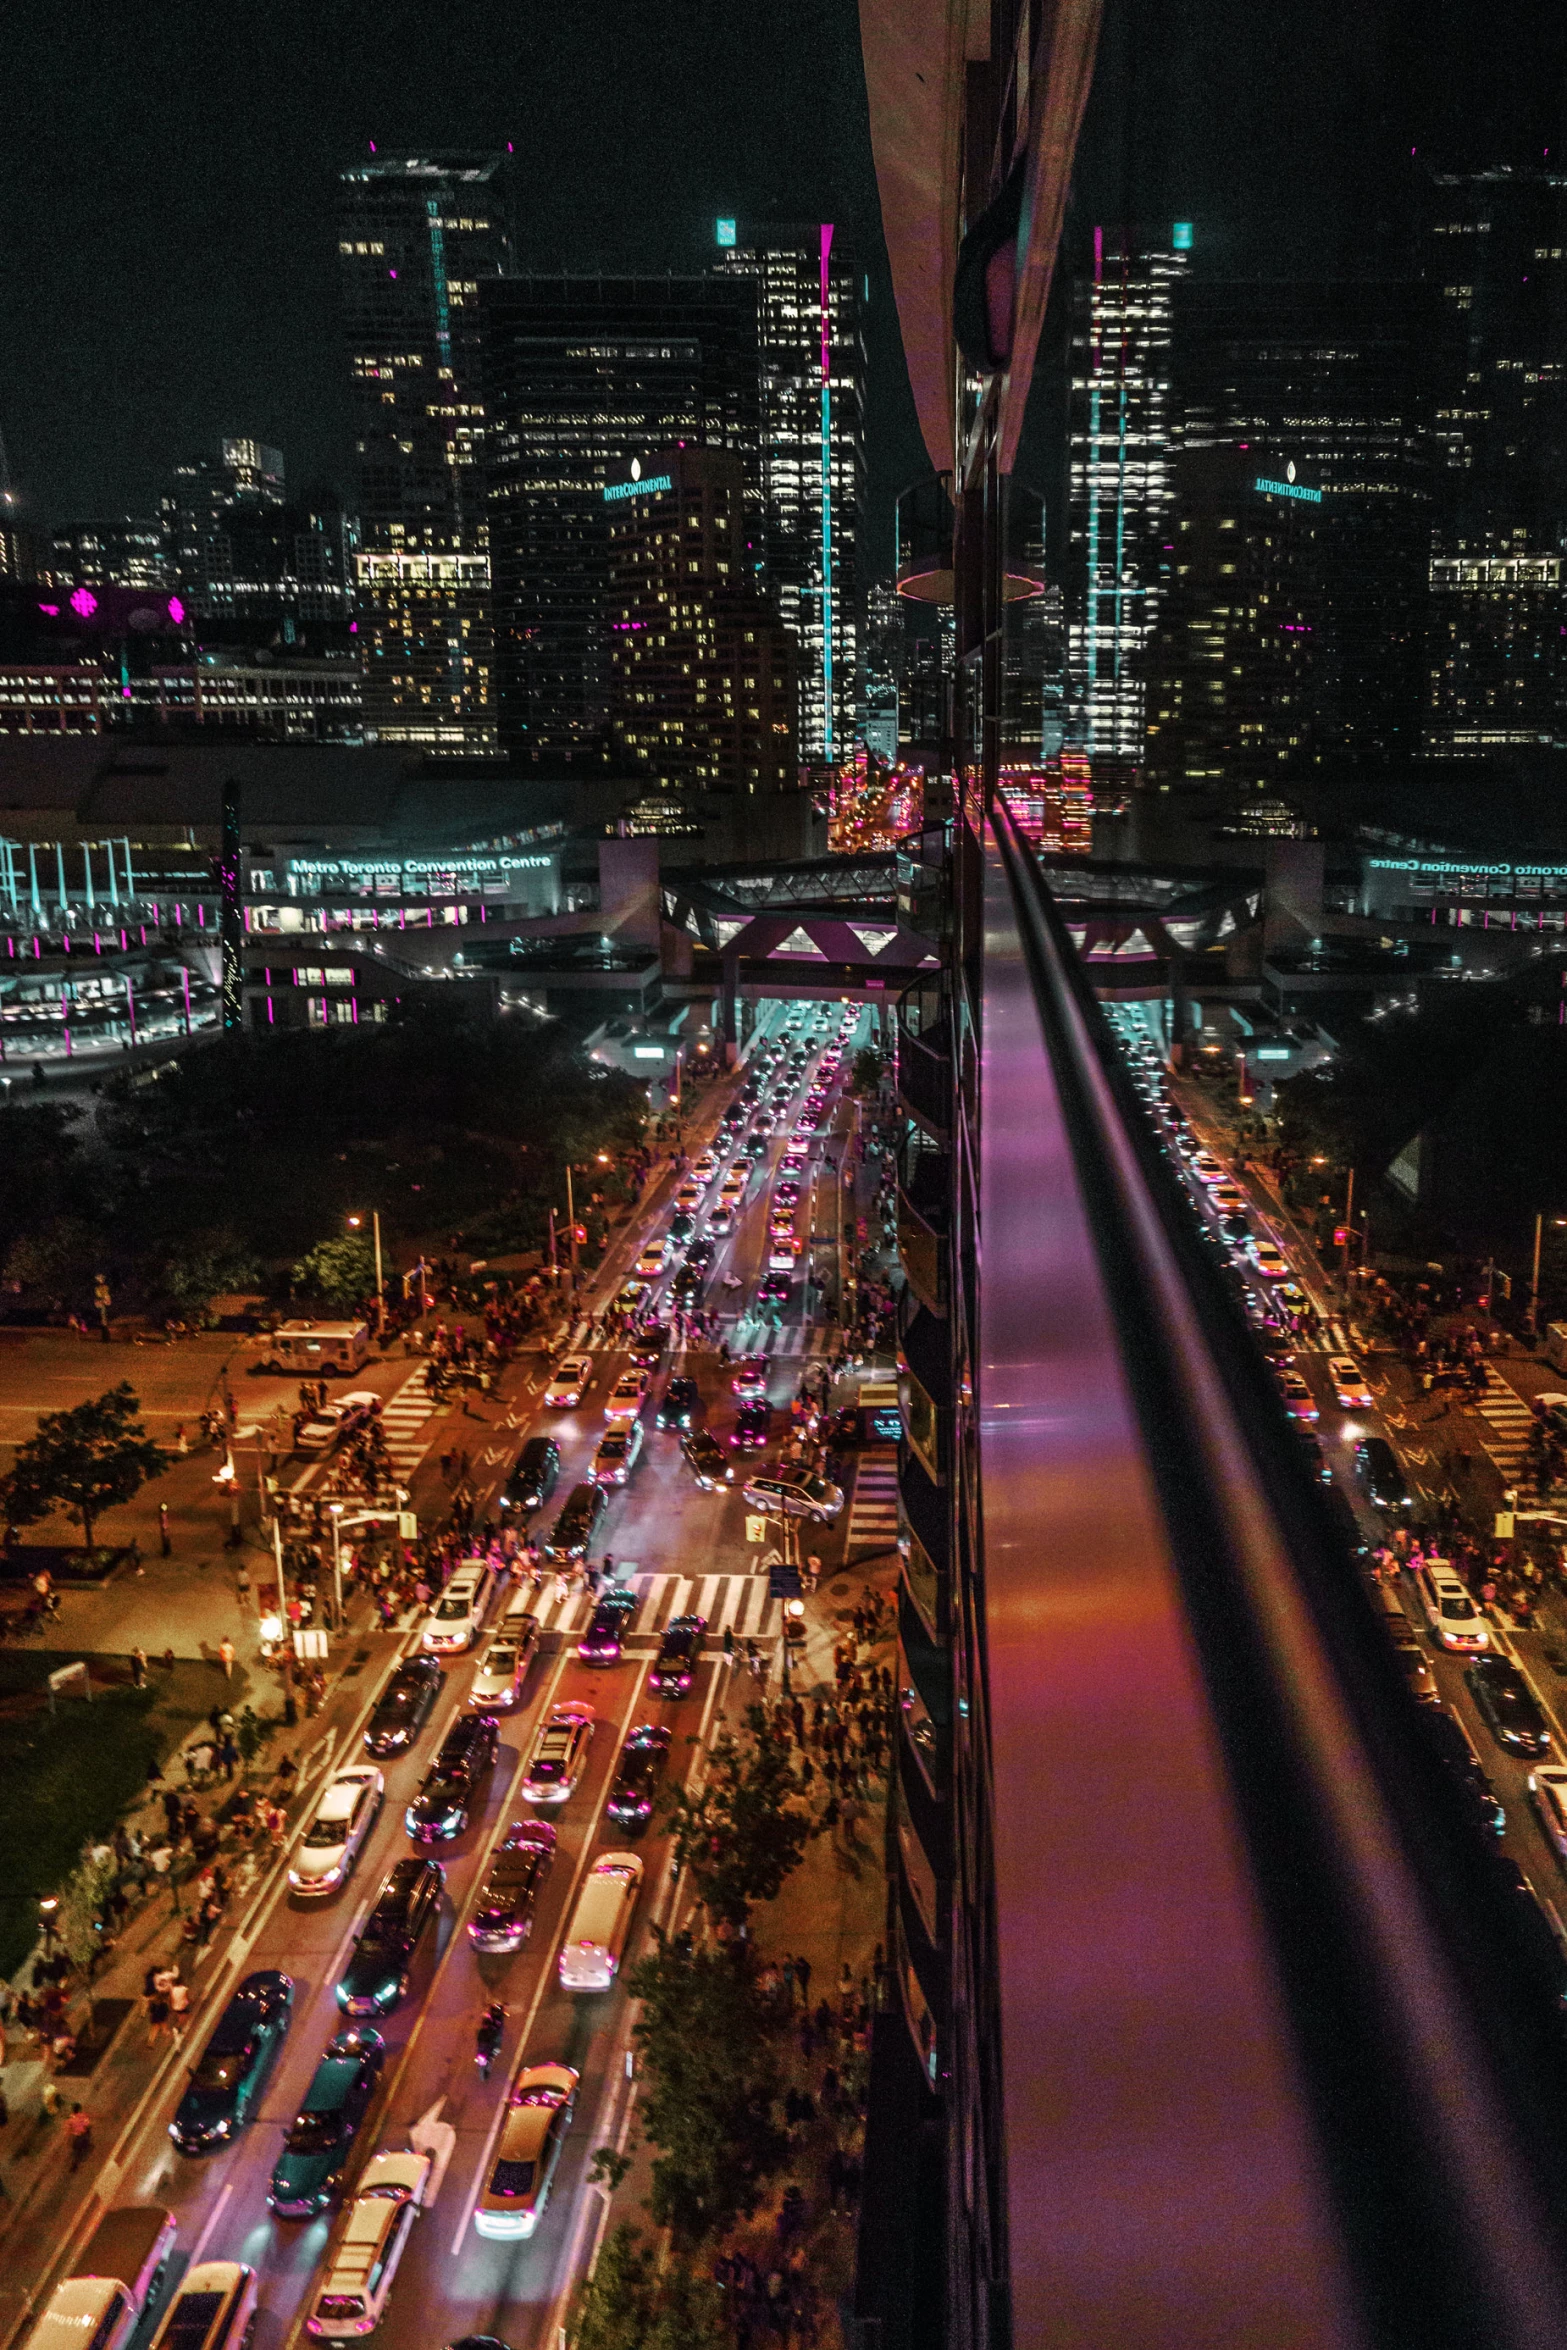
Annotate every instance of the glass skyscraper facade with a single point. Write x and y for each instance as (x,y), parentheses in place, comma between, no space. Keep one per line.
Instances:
(1119,486)
(587,378)
(809,295)
(417,236)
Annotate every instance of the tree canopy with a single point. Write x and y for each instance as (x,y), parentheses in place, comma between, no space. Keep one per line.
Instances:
(711,2080)
(743,1830)
(94,1457)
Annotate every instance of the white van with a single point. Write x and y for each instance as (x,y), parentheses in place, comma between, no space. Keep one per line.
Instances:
(370,2244)
(596,1940)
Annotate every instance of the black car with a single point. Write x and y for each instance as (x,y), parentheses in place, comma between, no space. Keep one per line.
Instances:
(578,1523)
(686,1287)
(753,1426)
(407,1905)
(647,1350)
(1384,1480)
(1315,1450)
(227,2078)
(1543,1953)
(1508,1704)
(310,2168)
(503,1915)
(681,1227)
(773,1289)
(533,1475)
(679,1404)
(601,1643)
(705,1457)
(679,1650)
(446,1797)
(630,1803)
(403,1706)
(1458,1758)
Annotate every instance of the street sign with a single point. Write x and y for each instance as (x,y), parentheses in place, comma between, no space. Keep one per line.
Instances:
(67,1678)
(408,1525)
(310,1647)
(1504,1525)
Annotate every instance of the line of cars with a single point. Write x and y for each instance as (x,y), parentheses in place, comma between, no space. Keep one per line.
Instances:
(229,2075)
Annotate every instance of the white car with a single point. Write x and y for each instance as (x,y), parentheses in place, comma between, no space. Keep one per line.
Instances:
(503,1668)
(782,1249)
(625,1397)
(570,1384)
(341,1417)
(538,2114)
(1207,1168)
(454,1621)
(1349,1384)
(560,1753)
(652,1261)
(722,1219)
(336,1836)
(1548,1793)
(620,1448)
(371,2240)
(1449,1610)
(1267,1257)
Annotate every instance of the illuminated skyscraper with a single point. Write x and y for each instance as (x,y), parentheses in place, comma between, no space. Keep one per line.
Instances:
(417,234)
(586,378)
(809,293)
(126,550)
(1119,484)
(702,670)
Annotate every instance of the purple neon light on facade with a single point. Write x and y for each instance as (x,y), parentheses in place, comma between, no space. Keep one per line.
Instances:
(176,611)
(52,610)
(84,601)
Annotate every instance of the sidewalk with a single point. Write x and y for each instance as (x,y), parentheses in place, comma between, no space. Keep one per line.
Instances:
(41,2197)
(831,1915)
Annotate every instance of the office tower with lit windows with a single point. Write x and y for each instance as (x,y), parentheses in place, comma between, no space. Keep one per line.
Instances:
(587,378)
(1120,430)
(881,667)
(701,668)
(125,550)
(418,234)
(205,510)
(1297,546)
(809,292)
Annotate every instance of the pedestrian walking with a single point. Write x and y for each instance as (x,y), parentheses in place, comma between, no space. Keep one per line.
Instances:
(226,1654)
(138,1668)
(165,1544)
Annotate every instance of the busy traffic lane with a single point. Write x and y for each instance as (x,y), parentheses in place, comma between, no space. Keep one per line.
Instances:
(1338,1430)
(479,2285)
(430,2035)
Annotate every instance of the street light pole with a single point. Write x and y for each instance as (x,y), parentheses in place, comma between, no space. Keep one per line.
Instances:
(1349,1226)
(1534,1279)
(337,1564)
(380,1284)
(571,1228)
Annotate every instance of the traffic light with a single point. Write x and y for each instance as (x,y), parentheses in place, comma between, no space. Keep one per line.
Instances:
(579,1233)
(783,1580)
(1340,1235)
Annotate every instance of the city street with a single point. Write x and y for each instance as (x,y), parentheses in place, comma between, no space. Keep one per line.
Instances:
(679,1549)
(1329,1332)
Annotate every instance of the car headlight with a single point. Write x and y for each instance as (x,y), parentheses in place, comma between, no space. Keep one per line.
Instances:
(452,1822)
(222,2129)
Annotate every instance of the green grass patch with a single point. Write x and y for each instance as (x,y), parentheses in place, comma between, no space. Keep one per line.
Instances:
(67,1777)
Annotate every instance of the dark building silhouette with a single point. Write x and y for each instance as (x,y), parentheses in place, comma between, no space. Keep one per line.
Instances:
(702,669)
(585,377)
(1297,554)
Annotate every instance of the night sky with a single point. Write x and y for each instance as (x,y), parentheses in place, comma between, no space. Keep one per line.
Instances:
(167,270)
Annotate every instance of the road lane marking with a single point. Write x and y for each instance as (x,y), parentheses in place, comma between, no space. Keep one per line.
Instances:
(205,2238)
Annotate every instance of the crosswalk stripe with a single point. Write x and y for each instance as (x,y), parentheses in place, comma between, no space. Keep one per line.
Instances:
(743,1602)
